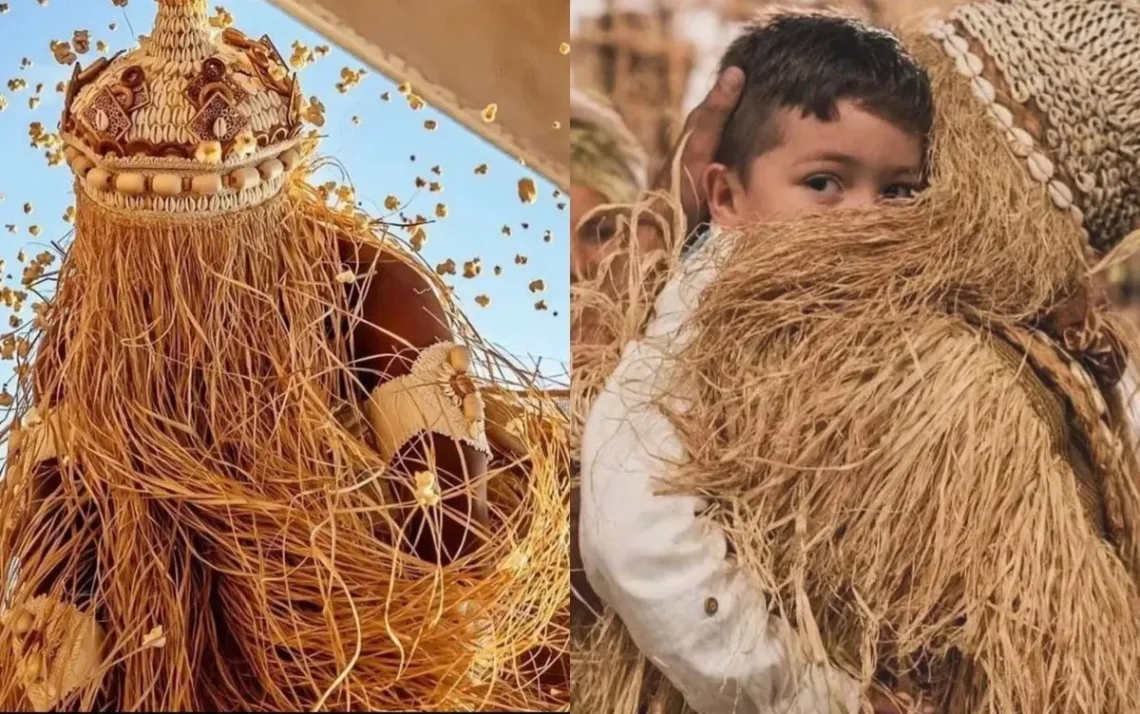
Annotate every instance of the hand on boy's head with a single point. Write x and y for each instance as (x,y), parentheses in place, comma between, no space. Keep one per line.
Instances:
(703,128)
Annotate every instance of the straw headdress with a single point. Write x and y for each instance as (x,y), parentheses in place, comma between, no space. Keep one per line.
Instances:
(190,122)
(215,496)
(605,155)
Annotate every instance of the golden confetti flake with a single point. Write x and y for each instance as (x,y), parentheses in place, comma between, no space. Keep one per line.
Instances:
(386,96)
(404,88)
(29,209)
(490,112)
(415,102)
(427,492)
(564,48)
(63,53)
(12,227)
(16,84)
(435,187)
(34,230)
(81,40)
(420,182)
(547,237)
(536,286)
(527,191)
(349,79)
(101,47)
(506,230)
(430,124)
(419,238)
(33,102)
(113,26)
(447,267)
(391,203)
(221,18)
(556,125)
(520,259)
(302,56)
(69,215)
(346,277)
(441,210)
(482,300)
(355,120)
(481,170)
(314,111)
(21,256)
(472,268)
(155,639)
(61,87)
(43,3)
(436,170)
(541,305)
(498,270)
(25,63)
(3,8)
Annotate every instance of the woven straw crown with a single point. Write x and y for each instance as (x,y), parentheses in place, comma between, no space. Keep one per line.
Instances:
(194,121)
(1076,63)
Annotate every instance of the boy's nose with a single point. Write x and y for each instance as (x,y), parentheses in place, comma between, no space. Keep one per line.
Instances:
(861,197)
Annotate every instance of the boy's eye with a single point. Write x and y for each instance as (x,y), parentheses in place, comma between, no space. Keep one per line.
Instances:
(823,184)
(900,191)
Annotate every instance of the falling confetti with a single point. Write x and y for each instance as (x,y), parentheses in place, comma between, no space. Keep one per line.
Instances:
(418,239)
(34,230)
(527,191)
(16,84)
(435,187)
(391,203)
(69,215)
(472,268)
(349,79)
(436,170)
(430,124)
(221,18)
(81,41)
(489,112)
(29,209)
(156,638)
(441,210)
(536,286)
(482,300)
(481,170)
(386,96)
(415,102)
(447,267)
(540,305)
(520,259)
(498,270)
(506,230)
(314,112)
(564,48)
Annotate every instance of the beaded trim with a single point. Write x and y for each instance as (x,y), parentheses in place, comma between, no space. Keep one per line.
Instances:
(240,186)
(1040,167)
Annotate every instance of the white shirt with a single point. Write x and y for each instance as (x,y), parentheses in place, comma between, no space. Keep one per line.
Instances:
(661,567)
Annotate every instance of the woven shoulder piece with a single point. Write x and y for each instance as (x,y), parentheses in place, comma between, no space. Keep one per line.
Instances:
(1077,64)
(438,396)
(1089,415)
(60,649)
(194,121)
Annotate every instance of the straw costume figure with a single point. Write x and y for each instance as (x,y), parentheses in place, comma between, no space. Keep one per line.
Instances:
(260,461)
(908,420)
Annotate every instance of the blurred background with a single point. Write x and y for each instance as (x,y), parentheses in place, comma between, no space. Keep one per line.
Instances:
(656,59)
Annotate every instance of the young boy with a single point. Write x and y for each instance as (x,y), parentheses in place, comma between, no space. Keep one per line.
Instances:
(833,114)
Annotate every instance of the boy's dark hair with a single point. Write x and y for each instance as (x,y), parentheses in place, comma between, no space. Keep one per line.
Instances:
(811,62)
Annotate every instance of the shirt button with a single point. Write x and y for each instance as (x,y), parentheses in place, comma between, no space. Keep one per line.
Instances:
(711,606)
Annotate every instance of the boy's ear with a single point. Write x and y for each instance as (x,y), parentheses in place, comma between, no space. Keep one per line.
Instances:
(724,193)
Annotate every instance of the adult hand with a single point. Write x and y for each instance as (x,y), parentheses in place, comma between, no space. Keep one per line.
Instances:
(703,127)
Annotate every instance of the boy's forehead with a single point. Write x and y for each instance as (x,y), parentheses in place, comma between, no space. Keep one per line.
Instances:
(854,134)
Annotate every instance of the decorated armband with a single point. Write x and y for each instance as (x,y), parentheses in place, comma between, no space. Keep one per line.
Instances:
(437,397)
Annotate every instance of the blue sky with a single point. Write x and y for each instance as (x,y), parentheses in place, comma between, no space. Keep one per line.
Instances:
(375,153)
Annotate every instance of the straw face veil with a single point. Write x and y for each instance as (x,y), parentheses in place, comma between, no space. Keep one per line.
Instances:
(186,124)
